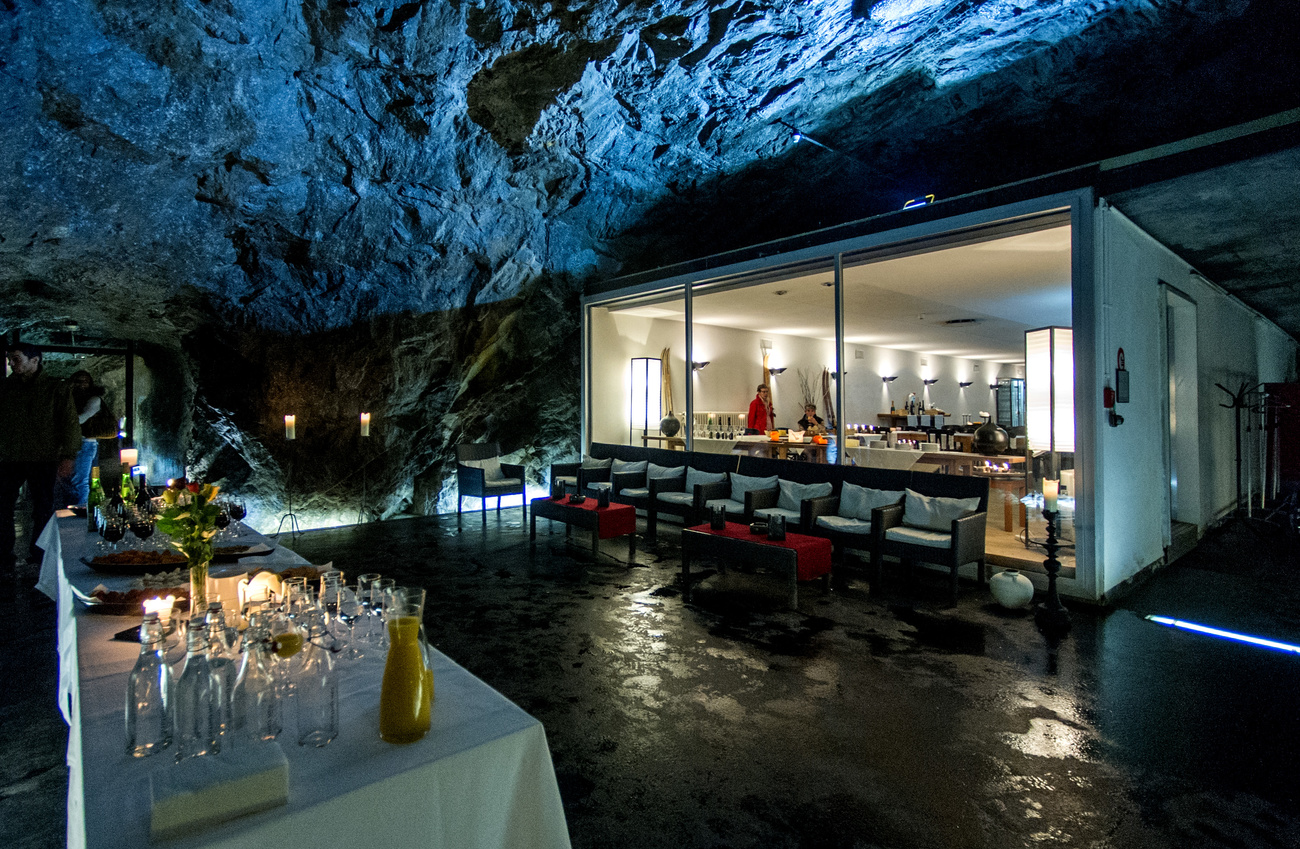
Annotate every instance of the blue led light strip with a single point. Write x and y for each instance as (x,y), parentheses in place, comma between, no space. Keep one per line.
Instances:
(1226,635)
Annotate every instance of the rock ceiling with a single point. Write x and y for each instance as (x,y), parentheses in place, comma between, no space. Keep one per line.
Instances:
(303,167)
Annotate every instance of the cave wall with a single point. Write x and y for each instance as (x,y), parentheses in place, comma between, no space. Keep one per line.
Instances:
(328,204)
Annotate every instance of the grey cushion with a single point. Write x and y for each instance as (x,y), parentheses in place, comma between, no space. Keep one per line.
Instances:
(629,467)
(793,494)
(592,463)
(567,479)
(505,486)
(741,484)
(597,486)
(733,508)
(683,498)
(491,468)
(634,492)
(919,536)
(932,513)
(791,516)
(695,477)
(660,473)
(845,526)
(857,502)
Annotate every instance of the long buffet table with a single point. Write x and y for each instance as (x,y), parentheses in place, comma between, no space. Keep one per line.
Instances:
(482,776)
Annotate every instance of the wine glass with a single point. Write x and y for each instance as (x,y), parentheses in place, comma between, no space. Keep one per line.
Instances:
(364,585)
(114,530)
(380,601)
(141,526)
(222,520)
(237,512)
(349,610)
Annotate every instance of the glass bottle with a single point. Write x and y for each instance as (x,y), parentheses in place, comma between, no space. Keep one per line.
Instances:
(221,656)
(256,712)
(94,501)
(316,685)
(142,500)
(199,698)
(149,694)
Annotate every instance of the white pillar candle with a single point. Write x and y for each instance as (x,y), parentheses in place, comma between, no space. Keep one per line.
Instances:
(130,457)
(1051,490)
(290,427)
(365,424)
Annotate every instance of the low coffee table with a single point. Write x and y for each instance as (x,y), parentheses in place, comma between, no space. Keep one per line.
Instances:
(800,556)
(616,520)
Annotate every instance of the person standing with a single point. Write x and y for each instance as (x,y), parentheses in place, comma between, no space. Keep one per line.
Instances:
(41,439)
(762,417)
(88,400)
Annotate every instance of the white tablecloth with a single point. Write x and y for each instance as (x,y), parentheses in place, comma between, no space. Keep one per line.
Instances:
(885,458)
(482,777)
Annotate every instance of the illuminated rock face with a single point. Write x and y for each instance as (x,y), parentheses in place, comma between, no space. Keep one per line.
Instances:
(361,198)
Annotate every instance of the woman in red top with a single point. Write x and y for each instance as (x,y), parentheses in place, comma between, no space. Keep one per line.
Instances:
(762,417)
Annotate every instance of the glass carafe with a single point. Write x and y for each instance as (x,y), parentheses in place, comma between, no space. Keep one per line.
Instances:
(316,685)
(149,694)
(406,699)
(256,712)
(199,698)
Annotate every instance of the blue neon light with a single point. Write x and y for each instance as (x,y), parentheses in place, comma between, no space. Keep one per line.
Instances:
(921,201)
(1225,635)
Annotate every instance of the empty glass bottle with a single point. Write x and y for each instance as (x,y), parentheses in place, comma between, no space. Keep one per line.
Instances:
(256,711)
(149,694)
(222,656)
(199,698)
(316,685)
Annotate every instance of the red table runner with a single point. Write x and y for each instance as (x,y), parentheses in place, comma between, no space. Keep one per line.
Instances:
(615,520)
(813,554)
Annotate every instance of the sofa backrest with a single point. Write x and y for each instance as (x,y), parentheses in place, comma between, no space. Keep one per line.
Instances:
(891,480)
(708,462)
(765,467)
(951,486)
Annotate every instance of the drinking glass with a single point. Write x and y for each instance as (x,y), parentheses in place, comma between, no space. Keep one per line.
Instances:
(222,520)
(237,512)
(114,530)
(381,597)
(364,585)
(142,527)
(350,610)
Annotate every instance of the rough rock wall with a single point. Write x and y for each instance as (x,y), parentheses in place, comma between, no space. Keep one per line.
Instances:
(283,184)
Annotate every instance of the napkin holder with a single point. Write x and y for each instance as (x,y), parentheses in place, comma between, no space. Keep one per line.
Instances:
(602,498)
(718,518)
(776,527)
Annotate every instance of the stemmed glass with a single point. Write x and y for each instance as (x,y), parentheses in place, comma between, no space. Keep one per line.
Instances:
(113,530)
(237,512)
(222,520)
(141,526)
(380,601)
(349,609)
(365,583)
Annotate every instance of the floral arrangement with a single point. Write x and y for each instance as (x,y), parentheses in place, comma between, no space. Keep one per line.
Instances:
(189,517)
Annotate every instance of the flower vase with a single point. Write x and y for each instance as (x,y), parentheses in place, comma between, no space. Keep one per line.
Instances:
(1011,589)
(198,588)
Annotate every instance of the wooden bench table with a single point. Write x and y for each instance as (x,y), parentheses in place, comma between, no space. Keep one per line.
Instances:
(799,557)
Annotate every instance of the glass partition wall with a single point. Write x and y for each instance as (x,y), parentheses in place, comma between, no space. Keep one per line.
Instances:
(923,337)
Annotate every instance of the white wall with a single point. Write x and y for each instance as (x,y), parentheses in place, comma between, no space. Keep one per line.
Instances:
(866,395)
(1132,471)
(615,340)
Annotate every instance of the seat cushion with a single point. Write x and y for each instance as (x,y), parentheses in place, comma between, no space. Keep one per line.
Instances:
(634,492)
(505,486)
(733,508)
(491,468)
(741,484)
(845,526)
(681,499)
(589,462)
(695,477)
(597,486)
(919,536)
(791,516)
(793,494)
(933,513)
(629,467)
(660,473)
(857,502)
(567,480)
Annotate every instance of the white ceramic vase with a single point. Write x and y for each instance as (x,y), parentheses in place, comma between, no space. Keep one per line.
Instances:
(1011,589)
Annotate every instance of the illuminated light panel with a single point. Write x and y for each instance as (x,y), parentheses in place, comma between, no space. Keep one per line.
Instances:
(1224,635)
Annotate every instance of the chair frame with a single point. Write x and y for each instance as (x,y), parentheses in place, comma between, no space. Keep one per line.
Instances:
(472,482)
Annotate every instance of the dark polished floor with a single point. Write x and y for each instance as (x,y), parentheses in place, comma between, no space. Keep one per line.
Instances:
(884,720)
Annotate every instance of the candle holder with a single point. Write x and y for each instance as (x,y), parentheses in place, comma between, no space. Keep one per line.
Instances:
(289,516)
(1052,616)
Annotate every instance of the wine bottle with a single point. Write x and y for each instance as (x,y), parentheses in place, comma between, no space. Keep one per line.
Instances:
(94,501)
(142,500)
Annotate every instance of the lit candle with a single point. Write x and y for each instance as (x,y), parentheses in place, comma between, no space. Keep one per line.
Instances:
(161,606)
(1051,488)
(290,429)
(130,456)
(365,424)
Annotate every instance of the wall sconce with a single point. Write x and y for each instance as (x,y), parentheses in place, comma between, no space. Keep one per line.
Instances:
(964,383)
(930,381)
(699,366)
(993,386)
(890,379)
(780,370)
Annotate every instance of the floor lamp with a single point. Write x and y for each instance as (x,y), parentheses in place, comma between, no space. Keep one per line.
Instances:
(1049,420)
(647,401)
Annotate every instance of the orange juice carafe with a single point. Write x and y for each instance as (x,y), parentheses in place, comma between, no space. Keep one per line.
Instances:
(406,699)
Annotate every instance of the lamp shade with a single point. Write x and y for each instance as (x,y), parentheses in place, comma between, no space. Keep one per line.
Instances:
(1049,388)
(647,393)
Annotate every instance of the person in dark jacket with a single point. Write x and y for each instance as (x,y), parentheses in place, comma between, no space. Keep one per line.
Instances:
(41,439)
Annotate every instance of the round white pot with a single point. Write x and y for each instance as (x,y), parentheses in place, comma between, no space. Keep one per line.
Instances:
(1011,589)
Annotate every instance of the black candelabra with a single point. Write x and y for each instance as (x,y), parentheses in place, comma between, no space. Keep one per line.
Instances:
(1052,616)
(289,516)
